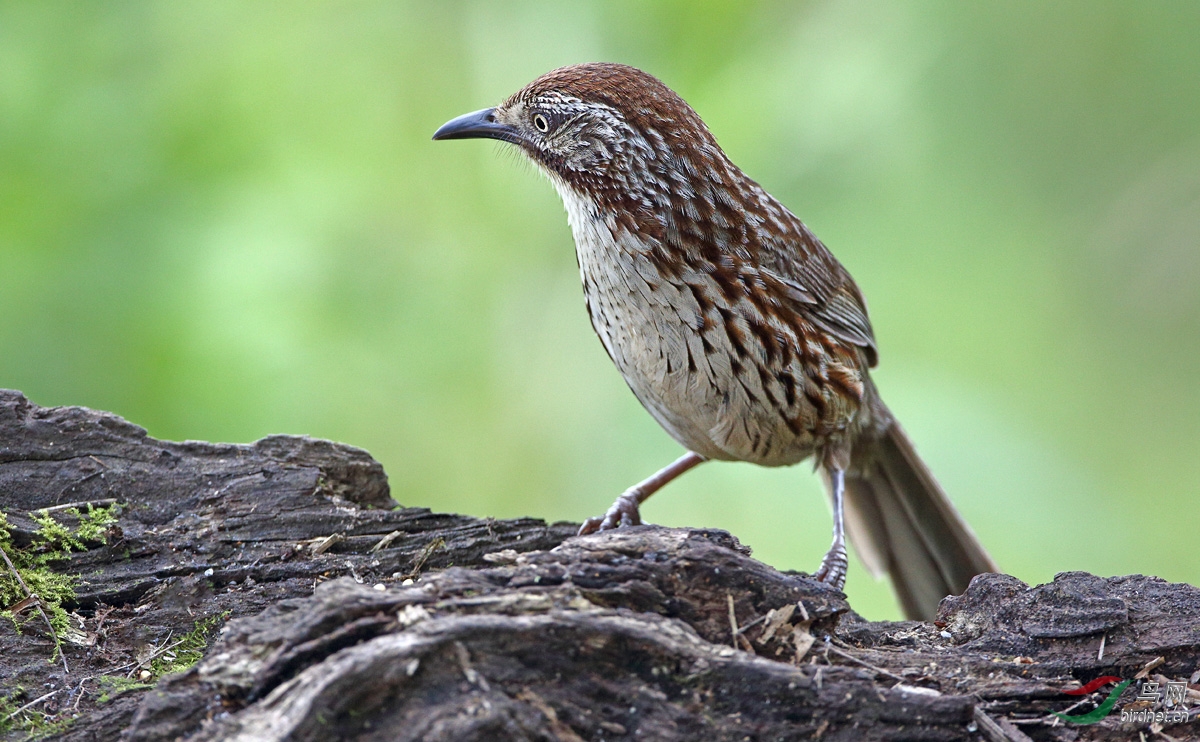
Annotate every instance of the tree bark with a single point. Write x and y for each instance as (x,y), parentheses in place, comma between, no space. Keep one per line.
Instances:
(344,616)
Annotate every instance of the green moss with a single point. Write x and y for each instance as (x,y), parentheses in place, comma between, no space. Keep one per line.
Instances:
(53,542)
(45,726)
(7,708)
(93,525)
(34,723)
(184,652)
(112,686)
(57,541)
(188,649)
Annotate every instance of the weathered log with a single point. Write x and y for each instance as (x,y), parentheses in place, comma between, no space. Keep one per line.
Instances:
(347,617)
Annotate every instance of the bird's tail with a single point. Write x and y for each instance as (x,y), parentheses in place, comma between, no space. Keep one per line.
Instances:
(901,522)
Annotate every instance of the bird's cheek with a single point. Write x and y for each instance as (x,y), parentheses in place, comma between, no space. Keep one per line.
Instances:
(591,155)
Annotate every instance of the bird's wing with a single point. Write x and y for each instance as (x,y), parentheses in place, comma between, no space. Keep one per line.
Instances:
(822,291)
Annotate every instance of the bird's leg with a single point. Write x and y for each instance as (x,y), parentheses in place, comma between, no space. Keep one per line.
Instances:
(624,512)
(833,566)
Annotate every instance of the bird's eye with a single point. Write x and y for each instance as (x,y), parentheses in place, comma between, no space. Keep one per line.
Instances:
(540,123)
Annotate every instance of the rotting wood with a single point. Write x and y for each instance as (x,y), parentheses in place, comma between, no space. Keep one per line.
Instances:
(421,626)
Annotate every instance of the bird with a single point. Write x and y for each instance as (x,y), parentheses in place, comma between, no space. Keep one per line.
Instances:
(732,324)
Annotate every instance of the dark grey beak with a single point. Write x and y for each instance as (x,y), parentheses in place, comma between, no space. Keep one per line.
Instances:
(477,125)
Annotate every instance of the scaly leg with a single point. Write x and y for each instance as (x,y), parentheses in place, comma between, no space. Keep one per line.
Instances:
(833,566)
(624,512)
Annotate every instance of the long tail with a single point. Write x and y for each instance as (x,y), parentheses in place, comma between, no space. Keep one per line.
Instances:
(901,522)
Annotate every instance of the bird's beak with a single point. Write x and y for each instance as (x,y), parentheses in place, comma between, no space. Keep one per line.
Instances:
(477,125)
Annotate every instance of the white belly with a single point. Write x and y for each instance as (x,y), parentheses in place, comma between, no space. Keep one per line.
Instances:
(652,330)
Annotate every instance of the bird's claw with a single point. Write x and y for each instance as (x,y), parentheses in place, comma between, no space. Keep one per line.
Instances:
(833,569)
(624,512)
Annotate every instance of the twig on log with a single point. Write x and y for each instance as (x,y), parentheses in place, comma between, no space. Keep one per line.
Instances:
(1145,671)
(419,562)
(32,703)
(998,731)
(81,504)
(323,545)
(145,663)
(386,541)
(733,627)
(846,655)
(38,603)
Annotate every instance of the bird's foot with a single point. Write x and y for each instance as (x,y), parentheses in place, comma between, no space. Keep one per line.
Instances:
(833,567)
(624,512)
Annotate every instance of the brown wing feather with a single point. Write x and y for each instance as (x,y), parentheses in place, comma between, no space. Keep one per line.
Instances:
(822,291)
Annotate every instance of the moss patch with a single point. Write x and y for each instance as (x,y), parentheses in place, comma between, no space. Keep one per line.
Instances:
(53,542)
(188,649)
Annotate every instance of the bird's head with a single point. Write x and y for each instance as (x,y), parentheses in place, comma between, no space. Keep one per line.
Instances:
(607,131)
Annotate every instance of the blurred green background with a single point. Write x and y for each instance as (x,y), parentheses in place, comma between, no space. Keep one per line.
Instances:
(223,220)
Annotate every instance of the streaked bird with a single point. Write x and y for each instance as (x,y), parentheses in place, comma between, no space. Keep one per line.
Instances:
(734,326)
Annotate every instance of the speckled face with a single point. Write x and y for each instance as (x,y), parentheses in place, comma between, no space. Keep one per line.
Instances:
(566,135)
